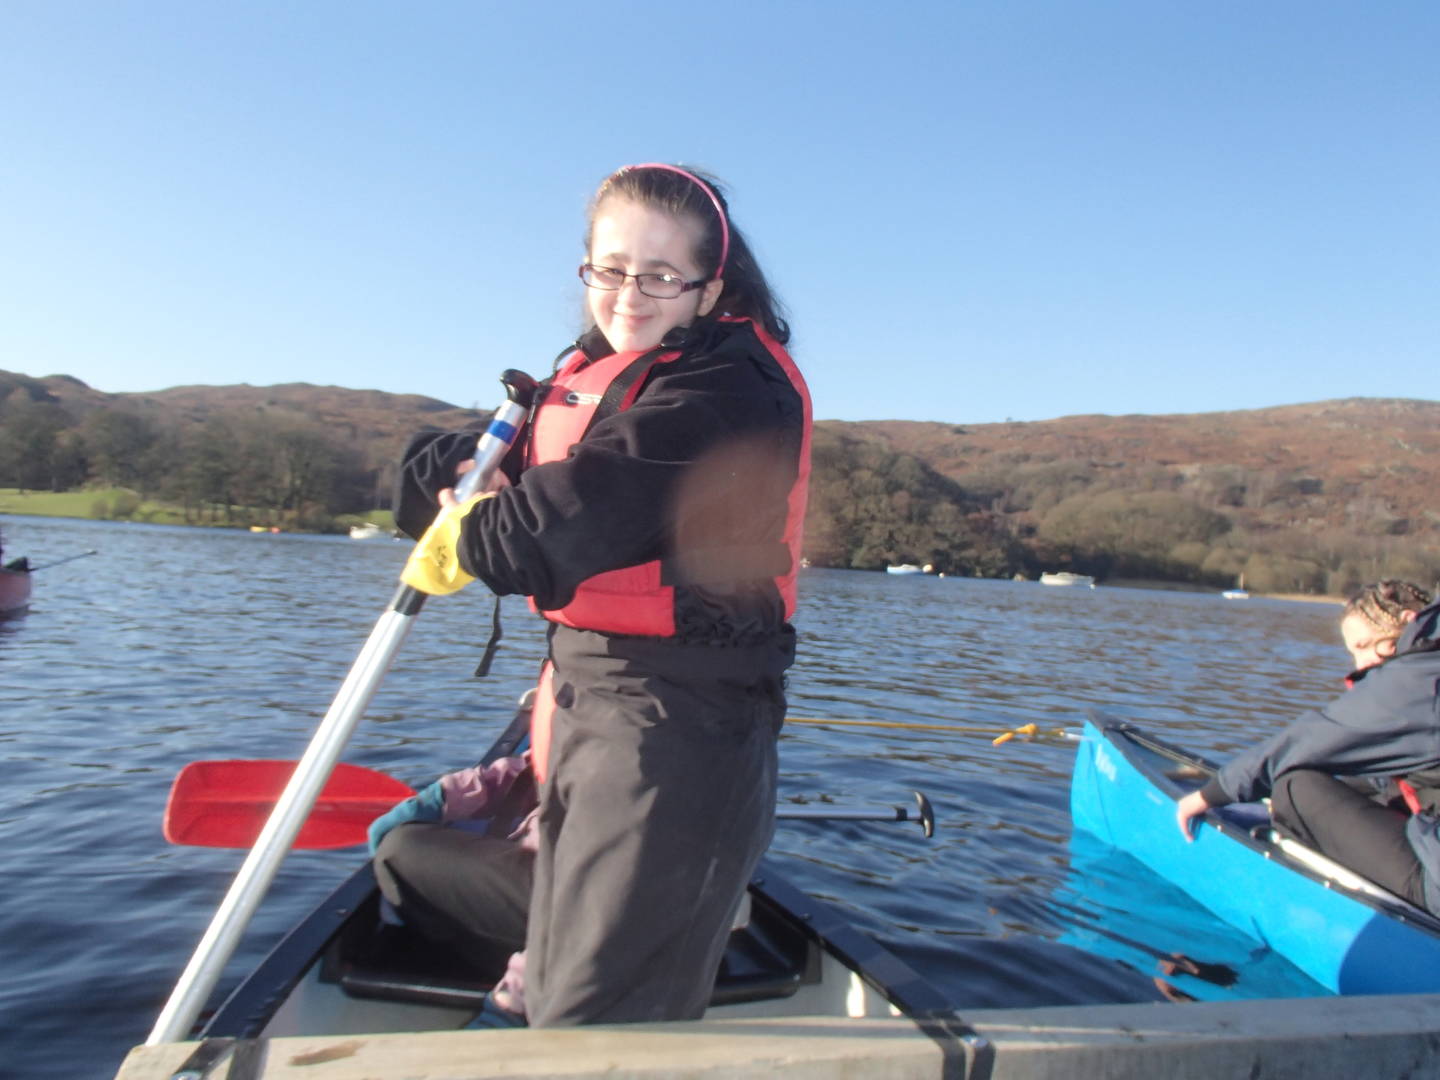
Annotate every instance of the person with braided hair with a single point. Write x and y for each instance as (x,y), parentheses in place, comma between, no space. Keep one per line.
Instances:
(1374,619)
(1334,774)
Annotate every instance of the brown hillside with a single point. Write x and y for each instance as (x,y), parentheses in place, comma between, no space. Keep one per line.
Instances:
(1363,463)
(369,415)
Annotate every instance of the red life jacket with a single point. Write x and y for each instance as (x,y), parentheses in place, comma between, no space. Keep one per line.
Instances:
(633,599)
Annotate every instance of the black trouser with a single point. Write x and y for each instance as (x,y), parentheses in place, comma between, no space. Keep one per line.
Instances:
(659,801)
(1349,826)
(459,888)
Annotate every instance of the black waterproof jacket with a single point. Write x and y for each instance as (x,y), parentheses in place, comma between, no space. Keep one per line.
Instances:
(641,481)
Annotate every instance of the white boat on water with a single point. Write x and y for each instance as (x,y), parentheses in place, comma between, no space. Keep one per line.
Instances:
(1235,594)
(1065,577)
(909,568)
(368,531)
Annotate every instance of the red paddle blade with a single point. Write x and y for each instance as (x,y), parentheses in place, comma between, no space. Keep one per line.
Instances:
(226,803)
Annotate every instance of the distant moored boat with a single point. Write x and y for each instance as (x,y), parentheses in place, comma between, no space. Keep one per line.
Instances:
(1065,577)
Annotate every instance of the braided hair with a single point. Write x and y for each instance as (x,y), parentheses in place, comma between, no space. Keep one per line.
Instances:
(1383,605)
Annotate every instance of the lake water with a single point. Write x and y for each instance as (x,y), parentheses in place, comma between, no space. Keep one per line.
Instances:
(171,645)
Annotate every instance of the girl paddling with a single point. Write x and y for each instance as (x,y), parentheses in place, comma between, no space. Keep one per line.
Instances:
(653,518)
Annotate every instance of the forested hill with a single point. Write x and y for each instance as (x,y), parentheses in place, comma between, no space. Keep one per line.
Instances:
(1306,498)
(294,454)
(1370,460)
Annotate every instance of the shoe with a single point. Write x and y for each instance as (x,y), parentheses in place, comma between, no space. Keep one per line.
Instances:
(493,1017)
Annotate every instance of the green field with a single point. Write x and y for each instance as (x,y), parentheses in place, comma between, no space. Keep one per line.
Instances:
(121,504)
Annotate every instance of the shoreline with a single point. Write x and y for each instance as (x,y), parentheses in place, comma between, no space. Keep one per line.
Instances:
(100,505)
(1210,590)
(67,505)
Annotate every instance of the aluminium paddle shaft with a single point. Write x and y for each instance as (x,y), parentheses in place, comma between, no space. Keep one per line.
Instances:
(260,866)
(924,814)
(62,562)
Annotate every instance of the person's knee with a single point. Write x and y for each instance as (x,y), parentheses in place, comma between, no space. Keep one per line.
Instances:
(398,853)
(1294,797)
(1295,788)
(392,846)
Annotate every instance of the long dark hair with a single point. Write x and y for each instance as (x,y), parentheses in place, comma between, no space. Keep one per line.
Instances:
(746,292)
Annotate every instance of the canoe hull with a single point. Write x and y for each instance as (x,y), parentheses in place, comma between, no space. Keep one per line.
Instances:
(302,987)
(1124,791)
(794,955)
(14,593)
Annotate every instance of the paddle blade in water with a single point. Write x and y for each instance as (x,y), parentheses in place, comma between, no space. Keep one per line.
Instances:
(226,803)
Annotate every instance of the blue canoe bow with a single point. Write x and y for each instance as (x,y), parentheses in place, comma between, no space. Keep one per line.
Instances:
(1349,936)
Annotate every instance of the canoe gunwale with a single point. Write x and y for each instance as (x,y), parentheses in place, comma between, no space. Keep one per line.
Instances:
(250,1007)
(252,1004)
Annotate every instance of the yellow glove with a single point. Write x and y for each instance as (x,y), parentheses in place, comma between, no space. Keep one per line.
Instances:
(434,565)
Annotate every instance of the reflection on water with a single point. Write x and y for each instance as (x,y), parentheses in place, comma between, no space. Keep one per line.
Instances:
(1111,905)
(177,644)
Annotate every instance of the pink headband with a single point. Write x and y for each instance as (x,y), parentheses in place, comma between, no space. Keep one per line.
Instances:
(703,186)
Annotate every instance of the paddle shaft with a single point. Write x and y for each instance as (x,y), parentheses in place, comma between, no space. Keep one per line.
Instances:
(838,813)
(923,814)
(62,562)
(842,813)
(260,866)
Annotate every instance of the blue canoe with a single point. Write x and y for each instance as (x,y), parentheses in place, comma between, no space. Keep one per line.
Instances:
(1348,935)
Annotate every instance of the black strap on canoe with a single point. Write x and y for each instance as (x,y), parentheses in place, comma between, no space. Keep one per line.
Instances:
(203,1059)
(249,1058)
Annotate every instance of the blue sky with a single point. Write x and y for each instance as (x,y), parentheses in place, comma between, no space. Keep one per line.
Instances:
(974,210)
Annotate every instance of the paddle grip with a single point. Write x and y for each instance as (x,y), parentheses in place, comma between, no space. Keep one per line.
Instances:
(500,434)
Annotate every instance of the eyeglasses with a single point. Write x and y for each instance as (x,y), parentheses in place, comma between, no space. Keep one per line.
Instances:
(659,286)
